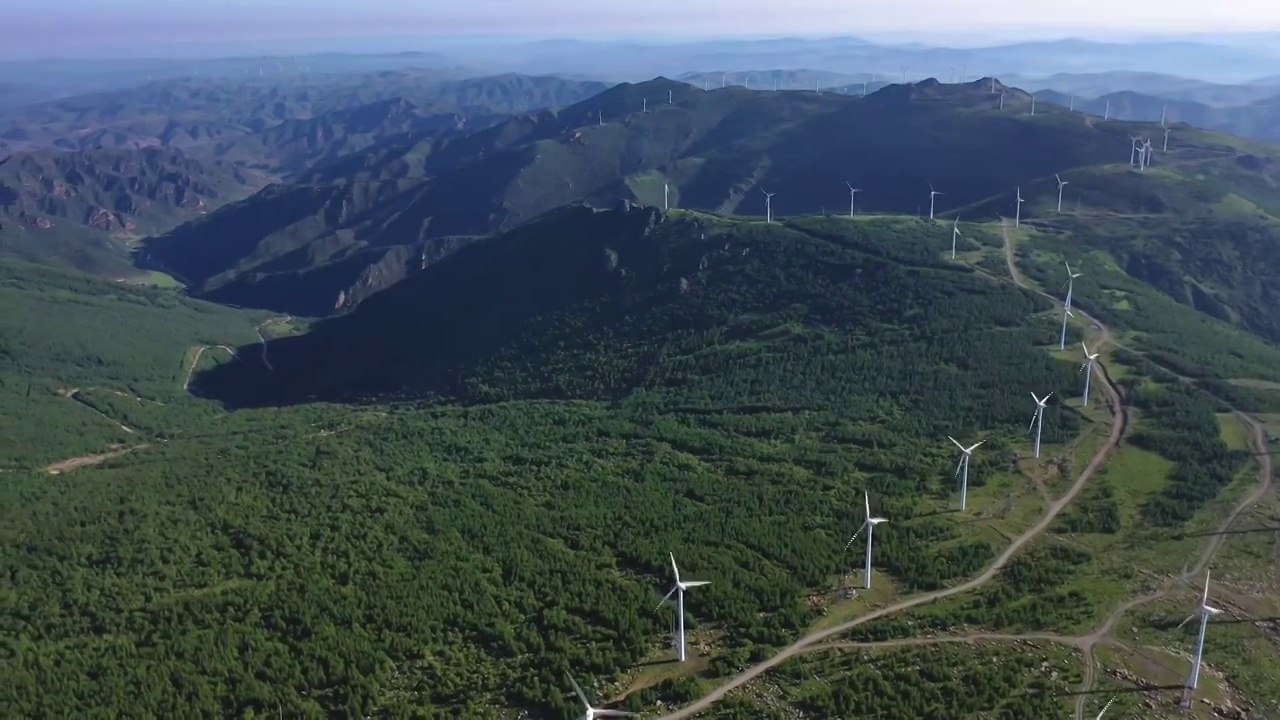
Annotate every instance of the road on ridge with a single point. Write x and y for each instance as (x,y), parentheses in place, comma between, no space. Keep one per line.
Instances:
(1118,424)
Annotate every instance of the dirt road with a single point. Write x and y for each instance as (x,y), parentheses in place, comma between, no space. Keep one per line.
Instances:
(1118,423)
(186,381)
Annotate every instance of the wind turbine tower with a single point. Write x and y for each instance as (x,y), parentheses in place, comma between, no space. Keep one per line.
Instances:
(853,193)
(1163,109)
(1106,113)
(644,104)
(1205,612)
(1037,420)
(1166,139)
(1071,104)
(1001,99)
(591,712)
(962,469)
(1061,184)
(1017,213)
(678,591)
(1133,151)
(932,194)
(669,97)
(955,233)
(1062,340)
(768,206)
(869,525)
(1087,369)
(1033,105)
(666,196)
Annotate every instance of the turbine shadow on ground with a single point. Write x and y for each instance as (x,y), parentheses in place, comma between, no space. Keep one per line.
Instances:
(1245,531)
(1136,689)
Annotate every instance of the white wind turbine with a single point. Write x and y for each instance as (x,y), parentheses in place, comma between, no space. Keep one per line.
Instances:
(666,196)
(1061,184)
(1146,155)
(1133,151)
(1033,104)
(1106,113)
(1017,213)
(962,469)
(932,194)
(1163,109)
(1106,707)
(768,206)
(678,591)
(1071,285)
(1037,420)
(1062,340)
(1001,99)
(1087,369)
(1071,104)
(869,525)
(853,192)
(591,712)
(955,233)
(1205,612)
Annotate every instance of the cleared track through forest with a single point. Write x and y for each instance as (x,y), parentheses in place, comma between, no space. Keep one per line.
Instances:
(1118,424)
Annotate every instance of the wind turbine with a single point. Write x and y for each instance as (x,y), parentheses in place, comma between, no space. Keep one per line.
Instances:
(869,525)
(1163,109)
(669,97)
(1071,104)
(1166,139)
(1106,113)
(1066,313)
(1133,151)
(678,591)
(768,206)
(1001,99)
(955,233)
(592,712)
(993,85)
(1146,156)
(666,197)
(1087,368)
(644,104)
(1037,420)
(1061,184)
(962,469)
(1071,283)
(1033,104)
(932,193)
(1205,612)
(1017,214)
(1106,707)
(853,192)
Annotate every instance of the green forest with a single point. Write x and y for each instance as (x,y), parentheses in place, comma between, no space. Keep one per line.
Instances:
(440,514)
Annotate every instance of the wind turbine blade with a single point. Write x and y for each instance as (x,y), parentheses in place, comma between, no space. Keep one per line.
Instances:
(866,502)
(959,465)
(1086,347)
(674,569)
(614,713)
(1212,610)
(696,583)
(578,690)
(975,446)
(666,597)
(1034,415)
(1205,597)
(1033,397)
(855,536)
(1184,622)
(956,442)
(1104,707)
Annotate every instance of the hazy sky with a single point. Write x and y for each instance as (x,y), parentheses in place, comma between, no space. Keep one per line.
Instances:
(167,27)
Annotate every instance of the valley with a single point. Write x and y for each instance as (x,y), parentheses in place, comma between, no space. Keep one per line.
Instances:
(428,411)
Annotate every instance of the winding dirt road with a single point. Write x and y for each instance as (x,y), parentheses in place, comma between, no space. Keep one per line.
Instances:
(1118,424)
(195,360)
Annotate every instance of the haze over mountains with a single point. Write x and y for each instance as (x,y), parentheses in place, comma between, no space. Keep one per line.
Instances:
(339,185)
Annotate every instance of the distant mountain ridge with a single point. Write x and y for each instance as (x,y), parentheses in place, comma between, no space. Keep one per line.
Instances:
(713,150)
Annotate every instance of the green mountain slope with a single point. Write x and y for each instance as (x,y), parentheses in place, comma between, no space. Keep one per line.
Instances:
(86,365)
(1200,226)
(685,348)
(715,150)
(84,209)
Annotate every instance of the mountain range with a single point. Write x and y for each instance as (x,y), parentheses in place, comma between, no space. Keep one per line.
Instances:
(85,176)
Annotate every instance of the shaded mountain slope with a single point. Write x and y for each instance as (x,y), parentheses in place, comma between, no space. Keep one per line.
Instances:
(715,150)
(82,209)
(601,304)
